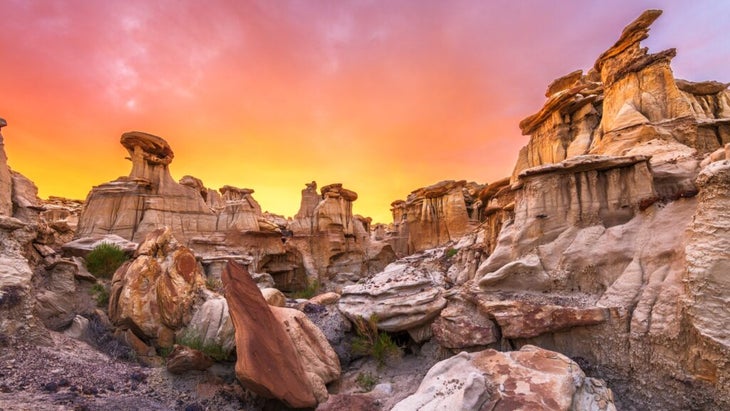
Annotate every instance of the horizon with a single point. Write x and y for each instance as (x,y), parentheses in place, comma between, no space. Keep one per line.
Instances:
(381,98)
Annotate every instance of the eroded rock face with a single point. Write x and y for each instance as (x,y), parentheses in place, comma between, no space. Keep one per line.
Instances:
(529,379)
(434,215)
(403,297)
(267,361)
(154,294)
(6,186)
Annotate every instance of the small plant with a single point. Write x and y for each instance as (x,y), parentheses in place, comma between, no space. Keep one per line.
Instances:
(100,294)
(214,284)
(308,292)
(366,381)
(451,251)
(104,260)
(190,338)
(370,341)
(164,352)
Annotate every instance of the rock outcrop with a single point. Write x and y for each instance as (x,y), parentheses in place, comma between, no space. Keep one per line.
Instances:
(154,294)
(6,185)
(323,241)
(434,215)
(612,248)
(267,361)
(529,379)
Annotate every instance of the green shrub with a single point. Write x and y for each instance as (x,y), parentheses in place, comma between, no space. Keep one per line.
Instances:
(100,294)
(451,251)
(366,381)
(308,292)
(214,284)
(370,341)
(104,260)
(190,338)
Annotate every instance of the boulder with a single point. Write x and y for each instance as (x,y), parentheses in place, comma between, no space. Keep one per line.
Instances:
(274,297)
(328,298)
(461,325)
(319,360)
(529,379)
(154,294)
(402,297)
(183,359)
(267,361)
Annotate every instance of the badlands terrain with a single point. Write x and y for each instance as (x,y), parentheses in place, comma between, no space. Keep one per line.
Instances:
(595,277)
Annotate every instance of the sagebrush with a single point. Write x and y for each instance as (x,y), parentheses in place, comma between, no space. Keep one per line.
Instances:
(370,341)
(105,259)
(191,338)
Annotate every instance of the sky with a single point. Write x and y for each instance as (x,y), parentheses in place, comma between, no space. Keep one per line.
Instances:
(383,96)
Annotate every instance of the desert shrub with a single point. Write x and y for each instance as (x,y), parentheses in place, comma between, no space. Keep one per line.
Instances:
(214,284)
(451,251)
(309,291)
(104,260)
(10,296)
(104,340)
(100,294)
(366,381)
(370,341)
(190,338)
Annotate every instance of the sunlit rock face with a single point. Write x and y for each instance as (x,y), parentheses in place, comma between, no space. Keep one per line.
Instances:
(434,215)
(616,231)
(6,204)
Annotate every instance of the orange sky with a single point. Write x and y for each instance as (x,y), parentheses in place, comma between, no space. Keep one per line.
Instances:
(383,96)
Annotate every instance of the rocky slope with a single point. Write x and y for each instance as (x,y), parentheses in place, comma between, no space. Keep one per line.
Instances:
(592,278)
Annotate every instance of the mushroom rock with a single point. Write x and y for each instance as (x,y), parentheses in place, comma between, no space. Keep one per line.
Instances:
(267,361)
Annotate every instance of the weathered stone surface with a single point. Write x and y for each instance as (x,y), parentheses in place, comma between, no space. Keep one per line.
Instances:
(402,297)
(6,184)
(434,215)
(183,359)
(320,362)
(211,323)
(56,304)
(328,298)
(274,297)
(708,254)
(335,327)
(267,361)
(460,325)
(529,379)
(83,246)
(154,294)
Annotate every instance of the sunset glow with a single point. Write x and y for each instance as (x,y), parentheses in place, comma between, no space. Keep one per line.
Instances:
(382,96)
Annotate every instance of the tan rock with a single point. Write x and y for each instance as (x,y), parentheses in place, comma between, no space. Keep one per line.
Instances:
(328,298)
(274,297)
(83,246)
(154,294)
(402,297)
(461,325)
(6,184)
(183,359)
(529,379)
(319,360)
(267,361)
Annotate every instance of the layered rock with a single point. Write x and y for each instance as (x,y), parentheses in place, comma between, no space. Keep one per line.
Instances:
(404,297)
(338,242)
(529,379)
(614,247)
(434,215)
(6,186)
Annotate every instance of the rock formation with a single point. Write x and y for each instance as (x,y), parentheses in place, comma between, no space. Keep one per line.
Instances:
(529,379)
(434,215)
(323,240)
(154,294)
(607,228)
(267,361)
(6,186)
